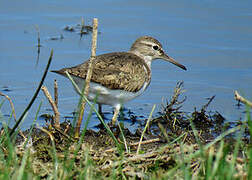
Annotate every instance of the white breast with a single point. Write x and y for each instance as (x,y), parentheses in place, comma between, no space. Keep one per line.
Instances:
(108,96)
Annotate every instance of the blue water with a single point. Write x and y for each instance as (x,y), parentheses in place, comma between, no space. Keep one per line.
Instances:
(211,38)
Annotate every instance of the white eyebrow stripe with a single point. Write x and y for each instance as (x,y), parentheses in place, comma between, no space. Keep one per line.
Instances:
(149,43)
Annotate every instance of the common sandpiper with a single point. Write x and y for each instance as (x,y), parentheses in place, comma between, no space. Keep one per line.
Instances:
(118,77)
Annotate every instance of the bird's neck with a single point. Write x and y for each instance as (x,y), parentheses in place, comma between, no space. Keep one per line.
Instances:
(147,59)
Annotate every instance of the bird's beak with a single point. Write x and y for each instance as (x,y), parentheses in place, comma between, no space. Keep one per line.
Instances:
(171,60)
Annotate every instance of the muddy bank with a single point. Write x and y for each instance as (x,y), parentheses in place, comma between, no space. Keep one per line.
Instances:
(168,138)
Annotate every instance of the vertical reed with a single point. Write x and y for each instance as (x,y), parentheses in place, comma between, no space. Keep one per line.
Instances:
(88,78)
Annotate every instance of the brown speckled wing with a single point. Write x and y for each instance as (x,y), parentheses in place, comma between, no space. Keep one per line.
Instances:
(122,70)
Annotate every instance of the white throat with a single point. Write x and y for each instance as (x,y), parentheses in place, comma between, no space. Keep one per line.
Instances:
(147,59)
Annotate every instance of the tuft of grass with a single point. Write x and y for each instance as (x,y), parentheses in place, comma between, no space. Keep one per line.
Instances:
(216,160)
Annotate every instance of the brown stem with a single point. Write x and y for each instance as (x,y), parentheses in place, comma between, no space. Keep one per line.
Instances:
(238,97)
(56,93)
(88,78)
(13,111)
(54,107)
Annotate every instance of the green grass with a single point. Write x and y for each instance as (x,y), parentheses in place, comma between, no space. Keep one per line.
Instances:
(216,160)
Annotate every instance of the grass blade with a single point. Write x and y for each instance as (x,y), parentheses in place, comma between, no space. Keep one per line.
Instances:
(34,96)
(145,128)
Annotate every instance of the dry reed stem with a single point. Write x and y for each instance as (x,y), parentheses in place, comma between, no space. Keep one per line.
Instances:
(56,93)
(47,132)
(11,103)
(149,156)
(37,28)
(238,97)
(39,45)
(88,78)
(64,134)
(82,26)
(54,107)
(13,111)
(115,115)
(145,142)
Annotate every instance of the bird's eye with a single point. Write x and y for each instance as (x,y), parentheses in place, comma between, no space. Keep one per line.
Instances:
(155,47)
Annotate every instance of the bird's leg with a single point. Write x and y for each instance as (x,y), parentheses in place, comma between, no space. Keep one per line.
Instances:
(116,112)
(100,110)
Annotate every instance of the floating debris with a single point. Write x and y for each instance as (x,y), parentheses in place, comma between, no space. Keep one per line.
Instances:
(6,89)
(79,28)
(69,28)
(55,38)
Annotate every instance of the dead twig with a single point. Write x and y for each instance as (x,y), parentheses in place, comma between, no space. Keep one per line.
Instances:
(38,45)
(63,133)
(174,104)
(238,97)
(88,77)
(11,103)
(149,156)
(56,93)
(13,111)
(146,142)
(177,91)
(82,28)
(47,132)
(54,107)
(203,109)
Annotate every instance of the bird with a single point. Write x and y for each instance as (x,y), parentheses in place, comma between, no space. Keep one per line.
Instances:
(119,77)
